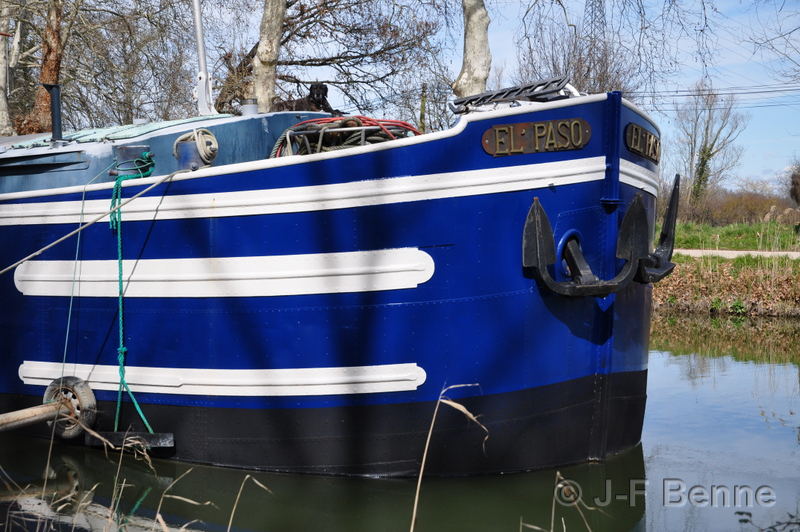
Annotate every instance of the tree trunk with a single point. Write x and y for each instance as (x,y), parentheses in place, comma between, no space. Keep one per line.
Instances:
(477,56)
(794,184)
(38,120)
(266,58)
(234,86)
(6,128)
(701,175)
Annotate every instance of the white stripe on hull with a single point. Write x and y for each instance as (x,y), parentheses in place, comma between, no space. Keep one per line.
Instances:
(277,275)
(234,382)
(638,176)
(318,197)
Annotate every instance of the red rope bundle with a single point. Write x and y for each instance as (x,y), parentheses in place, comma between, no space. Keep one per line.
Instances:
(366,121)
(385,126)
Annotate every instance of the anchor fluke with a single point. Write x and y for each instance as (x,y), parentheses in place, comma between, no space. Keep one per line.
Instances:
(633,237)
(658,264)
(538,249)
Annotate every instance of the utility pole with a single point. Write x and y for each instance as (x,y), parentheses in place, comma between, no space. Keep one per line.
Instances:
(423,104)
(594,36)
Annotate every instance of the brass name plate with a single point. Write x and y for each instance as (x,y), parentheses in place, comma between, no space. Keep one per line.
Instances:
(537,137)
(641,142)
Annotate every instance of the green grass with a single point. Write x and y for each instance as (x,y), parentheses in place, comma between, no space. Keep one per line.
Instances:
(758,236)
(747,262)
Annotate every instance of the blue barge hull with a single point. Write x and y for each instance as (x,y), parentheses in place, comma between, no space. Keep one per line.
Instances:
(304,313)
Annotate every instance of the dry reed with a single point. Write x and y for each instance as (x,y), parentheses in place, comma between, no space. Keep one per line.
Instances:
(239,494)
(443,399)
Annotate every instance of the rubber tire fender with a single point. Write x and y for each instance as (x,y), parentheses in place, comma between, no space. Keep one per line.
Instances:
(82,398)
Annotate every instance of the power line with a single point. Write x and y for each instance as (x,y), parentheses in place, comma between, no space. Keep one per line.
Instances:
(722,92)
(760,106)
(763,93)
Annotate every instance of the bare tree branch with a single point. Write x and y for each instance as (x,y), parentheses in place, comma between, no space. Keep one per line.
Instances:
(709,128)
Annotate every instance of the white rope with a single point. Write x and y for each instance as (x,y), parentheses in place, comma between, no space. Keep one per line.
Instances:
(88,224)
(75,270)
(571,90)
(206,142)
(69,315)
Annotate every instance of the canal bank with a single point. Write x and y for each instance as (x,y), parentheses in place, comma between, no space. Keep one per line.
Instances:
(740,283)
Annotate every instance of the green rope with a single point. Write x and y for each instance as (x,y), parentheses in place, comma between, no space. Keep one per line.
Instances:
(144,167)
(136,505)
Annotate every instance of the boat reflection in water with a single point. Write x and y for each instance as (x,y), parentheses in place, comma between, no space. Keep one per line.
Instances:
(91,490)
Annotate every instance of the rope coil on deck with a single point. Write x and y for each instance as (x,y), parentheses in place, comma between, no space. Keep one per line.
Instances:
(205,141)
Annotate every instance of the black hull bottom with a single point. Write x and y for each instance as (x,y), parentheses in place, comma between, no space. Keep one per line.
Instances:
(555,425)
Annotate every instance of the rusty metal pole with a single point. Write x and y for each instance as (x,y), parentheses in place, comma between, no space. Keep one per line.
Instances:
(34,414)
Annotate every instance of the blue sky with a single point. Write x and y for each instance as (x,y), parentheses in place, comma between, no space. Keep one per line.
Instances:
(771,139)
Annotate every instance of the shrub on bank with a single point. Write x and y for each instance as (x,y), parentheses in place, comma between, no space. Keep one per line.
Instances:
(719,206)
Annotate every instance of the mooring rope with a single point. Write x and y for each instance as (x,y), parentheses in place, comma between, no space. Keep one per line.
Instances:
(116,207)
(89,223)
(75,266)
(69,315)
(143,165)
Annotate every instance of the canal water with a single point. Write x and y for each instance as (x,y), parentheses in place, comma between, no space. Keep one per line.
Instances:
(720,451)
